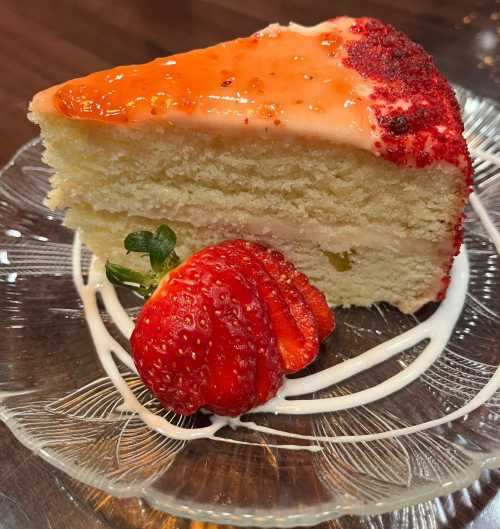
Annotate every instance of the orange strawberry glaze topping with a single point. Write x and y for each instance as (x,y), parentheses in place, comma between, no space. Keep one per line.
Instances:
(246,79)
(354,81)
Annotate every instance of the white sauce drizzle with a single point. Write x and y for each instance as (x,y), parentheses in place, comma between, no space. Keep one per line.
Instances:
(485,220)
(438,329)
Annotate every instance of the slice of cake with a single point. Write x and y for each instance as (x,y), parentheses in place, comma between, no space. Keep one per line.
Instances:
(340,144)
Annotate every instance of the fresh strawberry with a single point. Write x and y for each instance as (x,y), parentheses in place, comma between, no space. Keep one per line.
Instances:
(293,322)
(284,272)
(204,331)
(220,330)
(178,375)
(248,309)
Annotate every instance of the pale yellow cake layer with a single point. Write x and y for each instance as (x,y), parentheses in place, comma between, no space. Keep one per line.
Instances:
(360,278)
(151,169)
(313,200)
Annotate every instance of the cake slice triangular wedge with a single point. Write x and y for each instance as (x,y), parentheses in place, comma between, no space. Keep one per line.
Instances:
(340,145)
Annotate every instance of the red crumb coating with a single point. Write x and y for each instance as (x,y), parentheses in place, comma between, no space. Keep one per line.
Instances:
(414,104)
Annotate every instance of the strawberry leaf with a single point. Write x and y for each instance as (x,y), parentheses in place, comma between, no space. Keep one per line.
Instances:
(138,241)
(124,277)
(160,248)
(162,244)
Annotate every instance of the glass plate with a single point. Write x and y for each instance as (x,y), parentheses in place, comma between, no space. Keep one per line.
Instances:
(57,401)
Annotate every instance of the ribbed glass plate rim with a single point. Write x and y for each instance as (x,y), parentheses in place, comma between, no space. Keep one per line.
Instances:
(258,517)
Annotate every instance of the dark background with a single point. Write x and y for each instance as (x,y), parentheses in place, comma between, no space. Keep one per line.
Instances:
(43,42)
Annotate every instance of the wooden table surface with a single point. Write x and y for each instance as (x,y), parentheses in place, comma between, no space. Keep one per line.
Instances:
(43,42)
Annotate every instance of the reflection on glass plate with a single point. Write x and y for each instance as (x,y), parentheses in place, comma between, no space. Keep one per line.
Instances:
(58,401)
(453,511)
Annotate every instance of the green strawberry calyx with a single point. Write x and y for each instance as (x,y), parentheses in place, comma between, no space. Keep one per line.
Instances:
(159,247)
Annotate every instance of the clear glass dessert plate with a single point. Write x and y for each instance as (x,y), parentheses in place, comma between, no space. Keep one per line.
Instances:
(57,400)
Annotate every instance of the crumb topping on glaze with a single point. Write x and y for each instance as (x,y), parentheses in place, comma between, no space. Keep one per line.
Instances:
(414,105)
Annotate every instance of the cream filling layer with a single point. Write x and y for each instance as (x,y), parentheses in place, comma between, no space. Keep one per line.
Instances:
(332,238)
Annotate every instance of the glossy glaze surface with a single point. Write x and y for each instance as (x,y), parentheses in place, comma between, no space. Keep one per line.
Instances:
(280,78)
